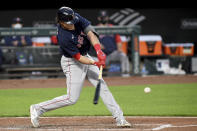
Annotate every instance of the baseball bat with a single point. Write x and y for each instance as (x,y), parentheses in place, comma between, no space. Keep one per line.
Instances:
(97,92)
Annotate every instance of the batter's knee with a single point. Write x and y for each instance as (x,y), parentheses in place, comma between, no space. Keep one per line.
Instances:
(72,100)
(104,87)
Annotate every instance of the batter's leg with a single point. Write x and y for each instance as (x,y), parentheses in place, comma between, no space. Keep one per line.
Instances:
(75,73)
(107,97)
(105,93)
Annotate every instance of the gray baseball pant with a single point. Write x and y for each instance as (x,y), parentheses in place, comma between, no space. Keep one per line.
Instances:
(75,75)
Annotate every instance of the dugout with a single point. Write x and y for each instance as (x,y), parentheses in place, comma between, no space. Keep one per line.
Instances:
(19,62)
(45,60)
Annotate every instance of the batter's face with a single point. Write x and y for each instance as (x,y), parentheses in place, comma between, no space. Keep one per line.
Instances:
(67,26)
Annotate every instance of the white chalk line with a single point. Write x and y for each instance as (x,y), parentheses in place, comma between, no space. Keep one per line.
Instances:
(128,129)
(171,126)
(162,127)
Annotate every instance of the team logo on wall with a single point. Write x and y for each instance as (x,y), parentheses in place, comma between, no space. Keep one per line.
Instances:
(127,17)
(189,23)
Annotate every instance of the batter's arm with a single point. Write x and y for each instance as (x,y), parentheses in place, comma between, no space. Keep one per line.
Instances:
(93,38)
(97,46)
(86,60)
(83,59)
(92,34)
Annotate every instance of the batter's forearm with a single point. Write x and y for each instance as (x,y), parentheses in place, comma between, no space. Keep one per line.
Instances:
(83,59)
(86,60)
(93,38)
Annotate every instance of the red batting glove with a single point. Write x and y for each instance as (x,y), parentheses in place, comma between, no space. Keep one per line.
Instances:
(99,63)
(100,54)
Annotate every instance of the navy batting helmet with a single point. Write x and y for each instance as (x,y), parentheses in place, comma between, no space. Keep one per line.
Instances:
(66,14)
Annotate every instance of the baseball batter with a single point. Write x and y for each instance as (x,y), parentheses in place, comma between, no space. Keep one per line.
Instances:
(75,36)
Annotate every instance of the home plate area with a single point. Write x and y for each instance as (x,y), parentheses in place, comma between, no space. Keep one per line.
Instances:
(99,123)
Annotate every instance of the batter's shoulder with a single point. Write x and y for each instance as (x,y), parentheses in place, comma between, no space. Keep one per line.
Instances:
(81,21)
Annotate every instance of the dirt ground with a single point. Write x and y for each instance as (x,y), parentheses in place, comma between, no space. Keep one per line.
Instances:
(111,81)
(99,123)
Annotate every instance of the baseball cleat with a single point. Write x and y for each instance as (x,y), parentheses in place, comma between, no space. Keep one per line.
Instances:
(34,116)
(123,123)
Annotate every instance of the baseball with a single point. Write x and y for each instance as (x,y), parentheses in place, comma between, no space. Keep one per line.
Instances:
(147,90)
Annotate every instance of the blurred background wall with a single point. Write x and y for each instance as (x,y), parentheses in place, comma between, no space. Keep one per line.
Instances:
(173,24)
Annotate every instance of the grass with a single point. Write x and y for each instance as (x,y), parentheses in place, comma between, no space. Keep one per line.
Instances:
(164,100)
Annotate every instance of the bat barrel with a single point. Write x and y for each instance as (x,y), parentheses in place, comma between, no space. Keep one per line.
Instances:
(97,92)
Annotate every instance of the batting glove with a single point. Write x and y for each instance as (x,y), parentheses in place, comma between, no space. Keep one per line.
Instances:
(100,54)
(99,63)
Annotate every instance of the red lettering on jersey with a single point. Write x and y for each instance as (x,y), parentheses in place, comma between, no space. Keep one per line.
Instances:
(80,41)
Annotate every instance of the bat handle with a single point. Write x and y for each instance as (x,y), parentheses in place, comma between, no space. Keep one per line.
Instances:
(100,72)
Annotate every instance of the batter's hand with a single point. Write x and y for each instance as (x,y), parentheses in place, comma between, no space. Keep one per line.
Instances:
(99,63)
(101,56)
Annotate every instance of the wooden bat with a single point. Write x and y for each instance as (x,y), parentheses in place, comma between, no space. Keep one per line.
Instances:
(97,92)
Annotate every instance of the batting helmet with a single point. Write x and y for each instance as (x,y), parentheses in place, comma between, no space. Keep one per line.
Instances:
(67,15)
